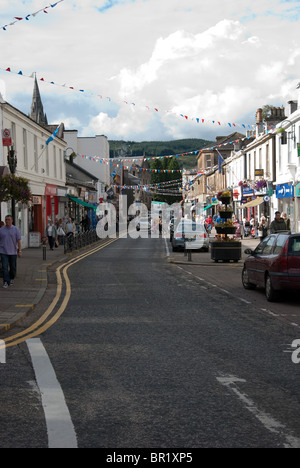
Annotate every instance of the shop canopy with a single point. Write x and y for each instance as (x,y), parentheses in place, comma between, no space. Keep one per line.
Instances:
(82,203)
(207,207)
(252,203)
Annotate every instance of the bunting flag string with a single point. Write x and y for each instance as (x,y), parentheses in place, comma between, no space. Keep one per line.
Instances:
(198,120)
(17,19)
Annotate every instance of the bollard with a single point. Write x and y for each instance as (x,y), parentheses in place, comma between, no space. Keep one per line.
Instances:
(44,252)
(189,255)
(44,240)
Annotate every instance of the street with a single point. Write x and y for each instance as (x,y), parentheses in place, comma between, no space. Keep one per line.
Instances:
(145,350)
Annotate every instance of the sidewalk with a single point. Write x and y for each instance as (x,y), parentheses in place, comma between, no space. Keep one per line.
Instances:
(31,282)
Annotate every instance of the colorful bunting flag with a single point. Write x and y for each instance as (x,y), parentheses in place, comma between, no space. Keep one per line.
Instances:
(19,18)
(109,99)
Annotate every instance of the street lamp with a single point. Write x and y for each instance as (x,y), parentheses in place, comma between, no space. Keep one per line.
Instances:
(282,130)
(12,164)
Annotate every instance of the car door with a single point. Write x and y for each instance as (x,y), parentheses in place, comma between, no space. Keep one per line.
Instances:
(264,260)
(294,259)
(256,264)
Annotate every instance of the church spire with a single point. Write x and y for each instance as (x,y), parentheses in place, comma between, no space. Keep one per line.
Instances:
(37,111)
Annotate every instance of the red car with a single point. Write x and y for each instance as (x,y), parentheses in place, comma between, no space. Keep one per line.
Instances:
(274,265)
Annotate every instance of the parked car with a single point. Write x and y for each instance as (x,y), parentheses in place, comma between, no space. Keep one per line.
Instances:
(192,235)
(274,265)
(144,224)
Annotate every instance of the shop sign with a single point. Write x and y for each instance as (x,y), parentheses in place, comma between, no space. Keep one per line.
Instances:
(51,190)
(248,191)
(298,190)
(259,173)
(298,147)
(285,191)
(36,200)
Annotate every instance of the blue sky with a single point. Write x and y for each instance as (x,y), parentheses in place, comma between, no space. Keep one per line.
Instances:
(217,61)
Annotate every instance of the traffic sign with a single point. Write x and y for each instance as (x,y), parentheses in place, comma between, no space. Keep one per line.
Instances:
(6,137)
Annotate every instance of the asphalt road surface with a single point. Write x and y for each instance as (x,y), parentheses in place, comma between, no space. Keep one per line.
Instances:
(150,354)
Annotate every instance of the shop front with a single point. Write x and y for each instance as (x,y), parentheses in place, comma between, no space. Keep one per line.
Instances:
(285,194)
(297,200)
(52,202)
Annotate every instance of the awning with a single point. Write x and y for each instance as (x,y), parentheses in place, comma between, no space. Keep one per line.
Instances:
(82,203)
(252,203)
(207,207)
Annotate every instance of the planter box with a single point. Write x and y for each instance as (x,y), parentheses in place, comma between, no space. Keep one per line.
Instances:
(226,214)
(226,251)
(226,230)
(226,200)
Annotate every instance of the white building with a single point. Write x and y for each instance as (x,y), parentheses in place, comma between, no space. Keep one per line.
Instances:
(43,165)
(274,156)
(92,155)
(288,165)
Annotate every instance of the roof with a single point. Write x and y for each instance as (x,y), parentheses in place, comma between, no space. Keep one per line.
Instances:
(75,174)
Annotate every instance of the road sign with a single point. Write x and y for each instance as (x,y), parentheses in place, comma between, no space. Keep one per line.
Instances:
(6,137)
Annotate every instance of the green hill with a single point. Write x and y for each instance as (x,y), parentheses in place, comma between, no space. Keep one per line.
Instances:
(161,148)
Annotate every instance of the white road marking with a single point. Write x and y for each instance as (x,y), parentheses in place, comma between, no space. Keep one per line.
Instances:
(61,433)
(268,421)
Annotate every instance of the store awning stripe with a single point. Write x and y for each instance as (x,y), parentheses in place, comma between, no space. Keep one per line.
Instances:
(82,203)
(252,203)
(207,207)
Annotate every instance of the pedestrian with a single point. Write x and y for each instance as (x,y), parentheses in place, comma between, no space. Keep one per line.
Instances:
(51,233)
(287,221)
(278,224)
(263,228)
(10,250)
(209,224)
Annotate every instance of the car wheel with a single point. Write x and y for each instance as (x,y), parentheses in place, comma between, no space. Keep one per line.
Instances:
(271,294)
(245,280)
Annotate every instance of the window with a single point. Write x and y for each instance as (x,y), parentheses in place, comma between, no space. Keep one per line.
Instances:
(259,249)
(60,164)
(208,161)
(269,246)
(268,173)
(281,241)
(55,162)
(47,161)
(266,246)
(25,153)
(294,247)
(36,156)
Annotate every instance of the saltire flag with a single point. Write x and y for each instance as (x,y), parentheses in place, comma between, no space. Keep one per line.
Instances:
(221,161)
(52,136)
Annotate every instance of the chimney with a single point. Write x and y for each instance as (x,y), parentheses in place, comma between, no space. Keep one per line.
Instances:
(259,116)
(292,106)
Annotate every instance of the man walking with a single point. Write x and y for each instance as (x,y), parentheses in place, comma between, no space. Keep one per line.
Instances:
(10,249)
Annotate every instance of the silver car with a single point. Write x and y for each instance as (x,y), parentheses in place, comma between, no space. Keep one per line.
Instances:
(190,235)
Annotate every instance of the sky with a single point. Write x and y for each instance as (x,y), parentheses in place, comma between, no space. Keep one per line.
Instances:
(151,69)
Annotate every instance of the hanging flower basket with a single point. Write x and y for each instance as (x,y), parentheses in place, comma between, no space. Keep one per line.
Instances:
(14,188)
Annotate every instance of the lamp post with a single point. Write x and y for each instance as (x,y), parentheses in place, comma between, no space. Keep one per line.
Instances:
(12,164)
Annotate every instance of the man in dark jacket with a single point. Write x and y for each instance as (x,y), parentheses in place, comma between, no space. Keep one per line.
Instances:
(278,224)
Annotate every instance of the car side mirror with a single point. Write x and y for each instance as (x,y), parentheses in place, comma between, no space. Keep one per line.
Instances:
(249,252)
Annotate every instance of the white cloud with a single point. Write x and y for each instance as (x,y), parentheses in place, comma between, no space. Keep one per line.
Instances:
(218,61)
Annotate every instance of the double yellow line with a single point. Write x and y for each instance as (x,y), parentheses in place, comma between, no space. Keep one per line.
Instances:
(41,325)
